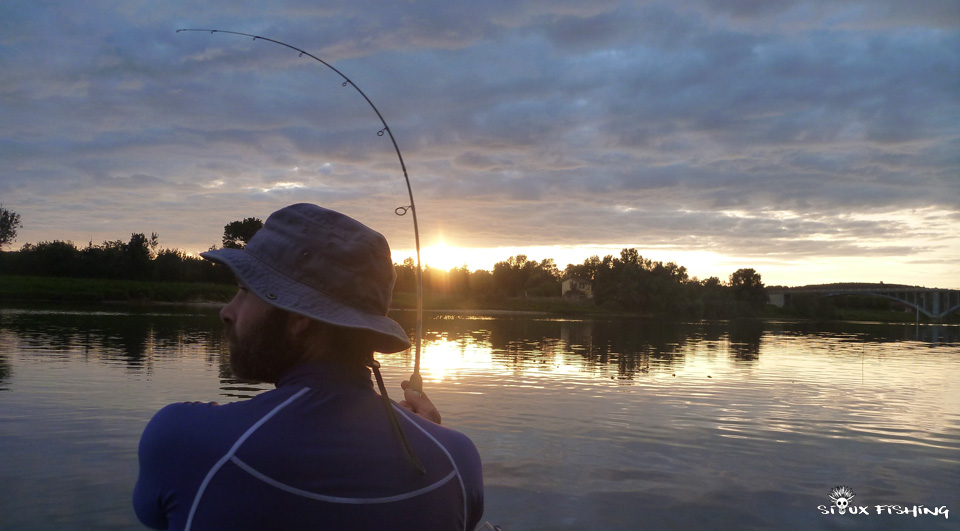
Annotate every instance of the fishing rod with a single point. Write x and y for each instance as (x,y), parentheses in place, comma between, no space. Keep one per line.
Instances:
(416,381)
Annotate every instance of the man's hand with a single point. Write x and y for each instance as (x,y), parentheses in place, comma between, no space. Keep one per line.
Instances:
(419,403)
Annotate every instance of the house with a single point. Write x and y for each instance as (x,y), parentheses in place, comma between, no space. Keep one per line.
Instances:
(576,288)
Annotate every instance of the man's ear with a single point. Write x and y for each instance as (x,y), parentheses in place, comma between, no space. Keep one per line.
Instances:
(298,325)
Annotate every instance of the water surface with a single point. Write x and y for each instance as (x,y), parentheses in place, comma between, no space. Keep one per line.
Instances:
(581,424)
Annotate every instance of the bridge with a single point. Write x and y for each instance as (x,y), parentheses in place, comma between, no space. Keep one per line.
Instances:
(932,302)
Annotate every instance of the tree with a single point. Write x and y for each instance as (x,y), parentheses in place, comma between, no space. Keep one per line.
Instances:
(585,271)
(459,281)
(53,259)
(511,274)
(544,279)
(518,276)
(9,223)
(406,276)
(138,255)
(748,287)
(237,234)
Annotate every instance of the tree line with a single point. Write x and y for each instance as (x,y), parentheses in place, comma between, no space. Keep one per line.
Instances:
(628,282)
(139,258)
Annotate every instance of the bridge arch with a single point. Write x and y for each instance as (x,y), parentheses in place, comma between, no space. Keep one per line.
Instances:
(934,303)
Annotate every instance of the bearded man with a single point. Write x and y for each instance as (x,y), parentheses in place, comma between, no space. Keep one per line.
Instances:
(323,450)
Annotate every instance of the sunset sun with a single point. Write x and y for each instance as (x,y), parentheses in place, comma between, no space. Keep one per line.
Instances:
(442,256)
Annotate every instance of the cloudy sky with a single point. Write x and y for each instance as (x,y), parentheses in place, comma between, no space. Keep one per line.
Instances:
(814,141)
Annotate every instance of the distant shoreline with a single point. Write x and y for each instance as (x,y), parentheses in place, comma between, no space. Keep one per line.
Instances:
(62,289)
(212,296)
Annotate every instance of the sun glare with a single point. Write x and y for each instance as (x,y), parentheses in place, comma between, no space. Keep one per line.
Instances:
(442,256)
(448,360)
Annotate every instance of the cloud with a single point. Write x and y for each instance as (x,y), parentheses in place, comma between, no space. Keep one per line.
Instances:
(810,128)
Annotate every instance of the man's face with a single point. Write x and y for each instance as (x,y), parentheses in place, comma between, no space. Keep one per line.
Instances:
(258,336)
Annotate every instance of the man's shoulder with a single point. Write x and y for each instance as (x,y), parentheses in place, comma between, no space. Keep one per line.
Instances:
(201,423)
(177,425)
(465,456)
(182,415)
(454,441)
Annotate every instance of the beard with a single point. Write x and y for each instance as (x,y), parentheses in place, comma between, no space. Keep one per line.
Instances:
(264,351)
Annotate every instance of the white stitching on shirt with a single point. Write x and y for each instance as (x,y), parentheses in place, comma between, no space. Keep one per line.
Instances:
(337,499)
(463,488)
(230,456)
(223,460)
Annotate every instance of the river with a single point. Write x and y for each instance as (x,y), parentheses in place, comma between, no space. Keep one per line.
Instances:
(582,424)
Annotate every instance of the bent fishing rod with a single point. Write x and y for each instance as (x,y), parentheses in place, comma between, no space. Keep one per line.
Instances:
(416,381)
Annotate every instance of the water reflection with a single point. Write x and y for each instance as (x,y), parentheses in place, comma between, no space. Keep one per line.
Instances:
(127,336)
(631,346)
(621,348)
(931,334)
(744,338)
(641,346)
(6,371)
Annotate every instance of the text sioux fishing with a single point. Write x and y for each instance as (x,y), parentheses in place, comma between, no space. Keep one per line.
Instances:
(914,510)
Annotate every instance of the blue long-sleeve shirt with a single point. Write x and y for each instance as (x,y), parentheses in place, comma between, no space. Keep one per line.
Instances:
(317,452)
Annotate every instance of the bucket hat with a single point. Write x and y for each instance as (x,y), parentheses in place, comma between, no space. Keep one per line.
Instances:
(324,265)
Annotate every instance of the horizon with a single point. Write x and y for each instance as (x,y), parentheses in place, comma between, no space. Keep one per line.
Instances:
(448,258)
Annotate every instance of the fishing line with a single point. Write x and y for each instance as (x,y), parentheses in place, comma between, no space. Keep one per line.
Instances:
(416,381)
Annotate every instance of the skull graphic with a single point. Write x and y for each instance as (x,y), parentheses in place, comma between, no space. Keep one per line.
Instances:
(841,496)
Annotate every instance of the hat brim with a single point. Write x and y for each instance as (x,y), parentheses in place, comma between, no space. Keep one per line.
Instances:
(278,289)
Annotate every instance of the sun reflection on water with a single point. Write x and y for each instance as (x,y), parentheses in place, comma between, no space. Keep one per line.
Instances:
(444,359)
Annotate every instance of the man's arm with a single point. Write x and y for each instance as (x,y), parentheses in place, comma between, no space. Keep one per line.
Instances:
(148,494)
(171,465)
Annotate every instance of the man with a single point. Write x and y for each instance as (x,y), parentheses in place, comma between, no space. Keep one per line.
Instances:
(323,450)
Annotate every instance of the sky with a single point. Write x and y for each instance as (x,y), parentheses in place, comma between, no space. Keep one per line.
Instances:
(813,141)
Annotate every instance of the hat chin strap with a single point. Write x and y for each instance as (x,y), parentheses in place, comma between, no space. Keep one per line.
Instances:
(392,416)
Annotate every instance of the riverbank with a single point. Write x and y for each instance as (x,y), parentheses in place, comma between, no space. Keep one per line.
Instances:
(829,312)
(56,289)
(90,290)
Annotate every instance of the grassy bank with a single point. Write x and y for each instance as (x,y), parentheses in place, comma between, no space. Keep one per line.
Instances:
(101,290)
(24,288)
(854,314)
